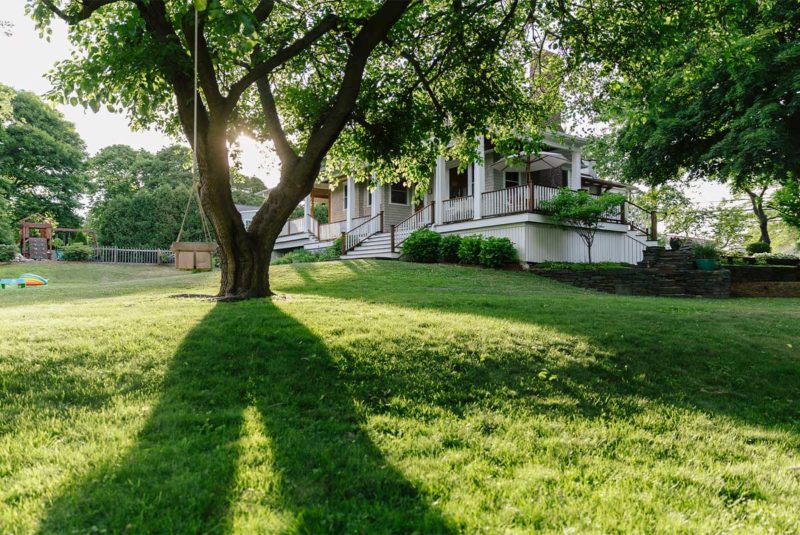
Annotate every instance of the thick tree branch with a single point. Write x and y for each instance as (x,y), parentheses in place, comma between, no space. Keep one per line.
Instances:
(263,10)
(285,151)
(279,58)
(423,78)
(88,7)
(205,63)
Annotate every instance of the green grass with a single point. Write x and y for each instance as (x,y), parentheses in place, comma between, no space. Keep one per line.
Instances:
(384,397)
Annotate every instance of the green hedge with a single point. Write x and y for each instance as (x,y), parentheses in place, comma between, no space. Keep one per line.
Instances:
(7,252)
(76,252)
(497,252)
(422,246)
(449,248)
(469,252)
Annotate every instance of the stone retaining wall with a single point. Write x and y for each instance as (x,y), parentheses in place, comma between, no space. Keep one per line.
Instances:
(765,281)
(646,281)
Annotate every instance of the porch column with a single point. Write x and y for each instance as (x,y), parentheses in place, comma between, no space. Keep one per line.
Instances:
(351,203)
(439,184)
(470,178)
(480,181)
(307,214)
(575,174)
(376,200)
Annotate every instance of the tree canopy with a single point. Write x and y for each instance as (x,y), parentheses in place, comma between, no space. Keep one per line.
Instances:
(41,159)
(364,87)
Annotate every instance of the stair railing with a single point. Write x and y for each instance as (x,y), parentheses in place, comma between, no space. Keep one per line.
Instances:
(357,235)
(419,219)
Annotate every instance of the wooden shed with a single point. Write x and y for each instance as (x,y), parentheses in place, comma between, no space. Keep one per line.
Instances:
(193,256)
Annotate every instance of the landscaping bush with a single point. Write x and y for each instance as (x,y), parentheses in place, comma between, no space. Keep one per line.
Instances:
(706,252)
(422,246)
(758,247)
(497,252)
(449,249)
(7,252)
(76,252)
(469,252)
(302,256)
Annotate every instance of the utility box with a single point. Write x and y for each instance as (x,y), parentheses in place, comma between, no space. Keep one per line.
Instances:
(193,256)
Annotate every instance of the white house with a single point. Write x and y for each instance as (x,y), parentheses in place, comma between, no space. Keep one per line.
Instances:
(494,198)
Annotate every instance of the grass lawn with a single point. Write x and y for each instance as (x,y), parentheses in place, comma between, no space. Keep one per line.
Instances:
(384,397)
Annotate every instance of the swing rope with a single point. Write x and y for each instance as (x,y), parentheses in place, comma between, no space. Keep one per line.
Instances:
(195,180)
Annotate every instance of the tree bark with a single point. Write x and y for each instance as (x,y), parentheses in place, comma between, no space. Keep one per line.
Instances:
(757,202)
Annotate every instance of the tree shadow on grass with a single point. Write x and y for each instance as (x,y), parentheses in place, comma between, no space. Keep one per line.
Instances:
(320,472)
(698,354)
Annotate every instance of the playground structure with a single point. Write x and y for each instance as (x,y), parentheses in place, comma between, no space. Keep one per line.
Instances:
(23,281)
(41,247)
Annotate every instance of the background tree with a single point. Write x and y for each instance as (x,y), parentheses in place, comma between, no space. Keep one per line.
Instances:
(375,81)
(786,201)
(580,212)
(699,90)
(126,183)
(729,223)
(42,157)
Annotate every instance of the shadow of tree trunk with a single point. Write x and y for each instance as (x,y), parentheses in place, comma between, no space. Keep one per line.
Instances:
(184,472)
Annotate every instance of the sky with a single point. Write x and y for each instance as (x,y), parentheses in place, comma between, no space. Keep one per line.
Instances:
(25,58)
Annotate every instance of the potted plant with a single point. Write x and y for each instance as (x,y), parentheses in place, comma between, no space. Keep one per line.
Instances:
(705,256)
(675,243)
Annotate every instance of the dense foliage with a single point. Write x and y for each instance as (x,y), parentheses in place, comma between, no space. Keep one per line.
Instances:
(8,252)
(137,195)
(422,245)
(76,252)
(148,218)
(449,248)
(758,247)
(497,252)
(582,212)
(41,161)
(469,252)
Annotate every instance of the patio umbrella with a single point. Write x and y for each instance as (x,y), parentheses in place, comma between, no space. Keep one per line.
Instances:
(532,162)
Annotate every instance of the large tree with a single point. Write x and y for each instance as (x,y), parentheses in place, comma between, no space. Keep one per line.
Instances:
(390,75)
(41,159)
(699,89)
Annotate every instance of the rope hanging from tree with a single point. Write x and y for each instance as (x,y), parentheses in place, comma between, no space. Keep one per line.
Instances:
(195,180)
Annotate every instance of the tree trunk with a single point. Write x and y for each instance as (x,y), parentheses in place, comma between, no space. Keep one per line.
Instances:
(757,201)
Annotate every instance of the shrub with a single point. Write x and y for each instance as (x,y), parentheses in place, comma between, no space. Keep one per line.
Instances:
(79,237)
(449,249)
(56,243)
(7,252)
(469,252)
(422,246)
(497,252)
(706,252)
(758,247)
(76,252)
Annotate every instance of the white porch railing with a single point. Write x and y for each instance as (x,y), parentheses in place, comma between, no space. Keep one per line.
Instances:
(331,231)
(293,226)
(358,234)
(420,219)
(543,193)
(458,209)
(506,201)
(638,218)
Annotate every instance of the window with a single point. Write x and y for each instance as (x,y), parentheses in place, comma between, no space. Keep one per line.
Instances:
(513,178)
(398,194)
(564,178)
(345,199)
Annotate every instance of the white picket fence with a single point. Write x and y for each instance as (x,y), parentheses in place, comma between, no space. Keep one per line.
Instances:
(116,255)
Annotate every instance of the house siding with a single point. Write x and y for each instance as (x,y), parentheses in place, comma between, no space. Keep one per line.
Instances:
(393,214)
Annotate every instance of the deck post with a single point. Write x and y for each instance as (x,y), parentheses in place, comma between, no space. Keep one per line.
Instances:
(391,231)
(433,212)
(381,220)
(307,214)
(530,195)
(344,243)
(480,181)
(439,183)
(350,209)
